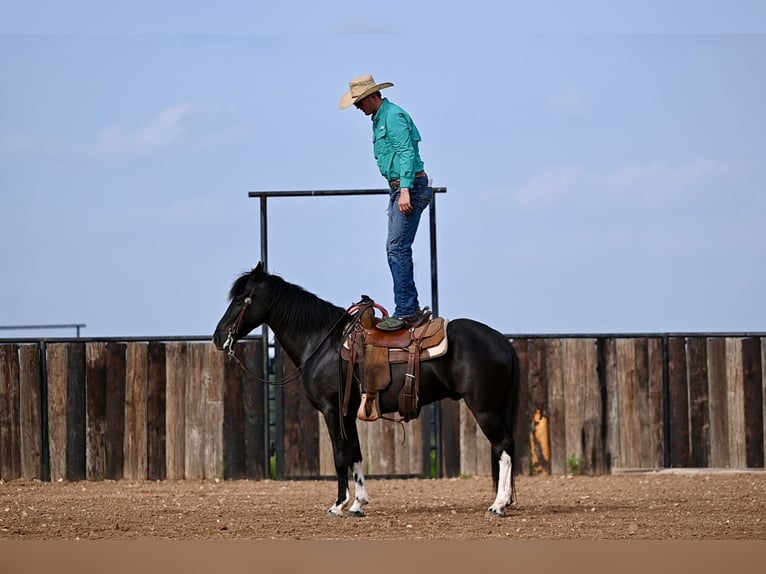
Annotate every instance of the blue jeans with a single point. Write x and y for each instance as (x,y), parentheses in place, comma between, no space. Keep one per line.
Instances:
(401,235)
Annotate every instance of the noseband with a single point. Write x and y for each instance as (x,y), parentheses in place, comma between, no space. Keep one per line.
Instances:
(232,331)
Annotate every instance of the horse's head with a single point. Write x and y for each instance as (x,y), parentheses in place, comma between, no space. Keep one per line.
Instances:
(246,309)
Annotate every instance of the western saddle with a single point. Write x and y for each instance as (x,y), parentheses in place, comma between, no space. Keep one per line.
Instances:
(374,351)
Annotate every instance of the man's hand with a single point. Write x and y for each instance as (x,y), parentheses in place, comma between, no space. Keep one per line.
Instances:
(404,201)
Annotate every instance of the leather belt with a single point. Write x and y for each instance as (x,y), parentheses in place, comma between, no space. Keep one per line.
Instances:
(394,183)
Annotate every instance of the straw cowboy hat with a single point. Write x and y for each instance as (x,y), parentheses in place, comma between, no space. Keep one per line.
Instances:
(361,87)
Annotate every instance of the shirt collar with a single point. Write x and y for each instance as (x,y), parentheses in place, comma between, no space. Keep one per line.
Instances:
(382,105)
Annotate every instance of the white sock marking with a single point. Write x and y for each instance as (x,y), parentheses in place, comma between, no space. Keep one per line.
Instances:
(503,485)
(361,498)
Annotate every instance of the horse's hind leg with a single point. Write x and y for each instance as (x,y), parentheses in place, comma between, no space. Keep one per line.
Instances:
(504,484)
(502,463)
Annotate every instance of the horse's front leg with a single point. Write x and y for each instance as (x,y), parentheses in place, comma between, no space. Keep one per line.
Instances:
(347,455)
(361,498)
(341,502)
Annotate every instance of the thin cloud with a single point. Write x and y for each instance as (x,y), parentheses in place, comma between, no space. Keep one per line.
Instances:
(648,186)
(181,124)
(161,132)
(26,144)
(569,102)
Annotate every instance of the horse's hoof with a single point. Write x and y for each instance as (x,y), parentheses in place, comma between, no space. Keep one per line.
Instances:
(332,514)
(497,512)
(357,513)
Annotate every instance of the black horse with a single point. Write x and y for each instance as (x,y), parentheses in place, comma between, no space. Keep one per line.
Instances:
(480,366)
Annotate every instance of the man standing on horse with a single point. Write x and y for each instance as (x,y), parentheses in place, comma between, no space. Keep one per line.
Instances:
(395,143)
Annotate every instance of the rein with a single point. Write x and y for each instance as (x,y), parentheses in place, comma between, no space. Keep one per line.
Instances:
(354,310)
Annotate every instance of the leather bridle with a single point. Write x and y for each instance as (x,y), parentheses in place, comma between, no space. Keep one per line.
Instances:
(354,310)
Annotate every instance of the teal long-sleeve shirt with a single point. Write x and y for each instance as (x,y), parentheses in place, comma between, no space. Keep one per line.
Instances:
(395,142)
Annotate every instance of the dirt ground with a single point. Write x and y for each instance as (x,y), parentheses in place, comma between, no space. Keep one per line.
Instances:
(656,506)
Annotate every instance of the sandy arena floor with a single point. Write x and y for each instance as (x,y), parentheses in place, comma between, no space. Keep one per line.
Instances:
(658,506)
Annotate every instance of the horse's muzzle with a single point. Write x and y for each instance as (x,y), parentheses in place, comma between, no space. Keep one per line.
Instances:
(222,343)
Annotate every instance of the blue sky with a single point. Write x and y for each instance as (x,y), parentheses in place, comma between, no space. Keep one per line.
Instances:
(605,161)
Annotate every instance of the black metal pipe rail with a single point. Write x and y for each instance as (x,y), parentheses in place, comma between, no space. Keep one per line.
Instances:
(76,326)
(264,196)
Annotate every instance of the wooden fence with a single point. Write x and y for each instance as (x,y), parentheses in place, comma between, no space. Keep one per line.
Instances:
(93,410)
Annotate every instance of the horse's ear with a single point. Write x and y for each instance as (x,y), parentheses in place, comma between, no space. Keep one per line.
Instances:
(258,271)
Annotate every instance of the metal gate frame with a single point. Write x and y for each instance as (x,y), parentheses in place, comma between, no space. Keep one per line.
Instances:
(264,196)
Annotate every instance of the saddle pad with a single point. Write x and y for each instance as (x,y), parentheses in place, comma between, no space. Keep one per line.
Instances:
(402,355)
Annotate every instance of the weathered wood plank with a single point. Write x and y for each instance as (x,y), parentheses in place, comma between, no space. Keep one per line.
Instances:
(156,407)
(537,409)
(475,448)
(468,445)
(718,402)
(177,373)
(135,457)
(116,366)
(363,429)
(609,360)
(406,437)
(628,412)
(643,403)
(656,380)
(524,413)
(213,412)
(76,412)
(678,407)
(10,432)
(372,436)
(699,407)
(450,438)
(484,455)
(234,417)
(401,448)
(592,441)
(763,389)
(326,457)
(753,401)
(573,365)
(30,385)
(255,395)
(416,437)
(95,393)
(194,453)
(556,405)
(382,448)
(736,403)
(57,409)
(301,428)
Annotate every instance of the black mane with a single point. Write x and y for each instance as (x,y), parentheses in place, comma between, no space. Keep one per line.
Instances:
(239,285)
(290,303)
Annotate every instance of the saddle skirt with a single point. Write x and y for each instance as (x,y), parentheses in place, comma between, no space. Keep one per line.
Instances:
(374,351)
